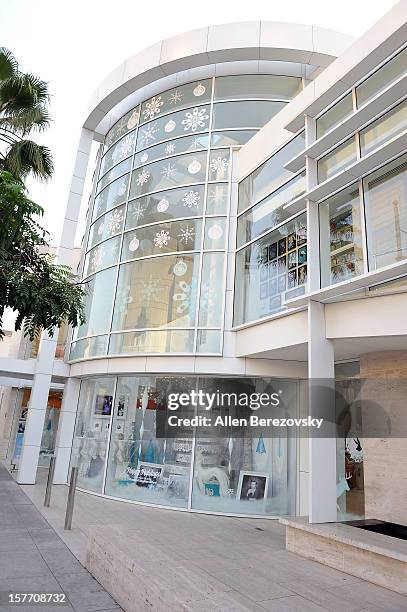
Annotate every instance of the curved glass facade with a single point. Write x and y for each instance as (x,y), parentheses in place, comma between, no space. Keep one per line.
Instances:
(155,262)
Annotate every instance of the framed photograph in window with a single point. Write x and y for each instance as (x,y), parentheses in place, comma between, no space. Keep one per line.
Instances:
(291,242)
(282,246)
(272,251)
(103,405)
(252,486)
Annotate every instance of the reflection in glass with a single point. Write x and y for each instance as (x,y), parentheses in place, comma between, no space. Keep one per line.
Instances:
(212,287)
(217,199)
(257,86)
(386,127)
(215,233)
(247,114)
(208,341)
(337,160)
(88,347)
(102,256)
(174,147)
(122,149)
(125,124)
(162,238)
(335,115)
(152,341)
(379,80)
(182,123)
(107,226)
(98,303)
(114,173)
(231,138)
(219,165)
(111,196)
(198,92)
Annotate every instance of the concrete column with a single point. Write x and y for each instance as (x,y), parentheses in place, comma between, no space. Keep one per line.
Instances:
(322,451)
(44,365)
(66,430)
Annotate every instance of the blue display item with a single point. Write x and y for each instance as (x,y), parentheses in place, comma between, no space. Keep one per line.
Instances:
(212,489)
(261,449)
(103,405)
(18,446)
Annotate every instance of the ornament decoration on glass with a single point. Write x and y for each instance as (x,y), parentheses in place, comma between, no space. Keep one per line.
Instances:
(153,107)
(180,268)
(134,244)
(133,119)
(163,205)
(170,126)
(194,167)
(144,158)
(215,232)
(199,90)
(195,119)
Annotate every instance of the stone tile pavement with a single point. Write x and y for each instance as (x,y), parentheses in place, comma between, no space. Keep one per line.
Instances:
(243,559)
(33,558)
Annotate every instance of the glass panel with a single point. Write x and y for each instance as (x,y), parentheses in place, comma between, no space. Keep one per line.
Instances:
(273,268)
(166,205)
(269,175)
(270,212)
(334,115)
(182,170)
(125,124)
(217,200)
(92,432)
(114,173)
(113,195)
(231,138)
(245,114)
(50,428)
(336,161)
(179,145)
(341,237)
(197,92)
(156,292)
(257,86)
(140,466)
(162,238)
(212,287)
(385,128)
(219,165)
(98,303)
(181,123)
(88,347)
(107,226)
(153,341)
(122,149)
(102,256)
(208,341)
(381,78)
(215,233)
(386,214)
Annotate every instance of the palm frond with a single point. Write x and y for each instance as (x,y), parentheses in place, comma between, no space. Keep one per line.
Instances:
(8,64)
(25,120)
(25,157)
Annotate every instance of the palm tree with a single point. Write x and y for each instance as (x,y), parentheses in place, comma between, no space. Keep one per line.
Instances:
(23,110)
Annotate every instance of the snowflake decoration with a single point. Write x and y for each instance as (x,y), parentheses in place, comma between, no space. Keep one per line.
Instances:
(161,239)
(219,165)
(150,289)
(217,194)
(168,171)
(148,134)
(121,127)
(143,177)
(124,148)
(138,210)
(153,107)
(195,119)
(170,148)
(175,97)
(187,234)
(115,221)
(97,257)
(191,198)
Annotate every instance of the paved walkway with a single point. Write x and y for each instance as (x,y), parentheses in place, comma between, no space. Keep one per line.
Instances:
(34,559)
(246,556)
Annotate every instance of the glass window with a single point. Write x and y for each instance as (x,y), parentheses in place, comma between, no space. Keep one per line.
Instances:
(337,160)
(217,199)
(244,114)
(212,288)
(125,124)
(156,292)
(111,196)
(181,96)
(270,212)
(269,175)
(102,256)
(182,170)
(153,341)
(335,115)
(173,147)
(141,466)
(162,238)
(273,268)
(92,430)
(231,138)
(386,127)
(98,303)
(114,173)
(381,78)
(182,123)
(219,165)
(215,233)
(122,149)
(107,226)
(257,86)
(208,341)
(166,205)
(88,347)
(385,193)
(341,237)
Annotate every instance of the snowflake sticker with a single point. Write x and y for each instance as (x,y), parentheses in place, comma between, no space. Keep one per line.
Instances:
(137,210)
(123,149)
(219,165)
(148,134)
(150,289)
(153,107)
(161,239)
(175,97)
(168,171)
(191,198)
(195,119)
(97,257)
(187,234)
(170,148)
(115,221)
(142,177)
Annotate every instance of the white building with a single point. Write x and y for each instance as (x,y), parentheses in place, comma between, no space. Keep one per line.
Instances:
(248,221)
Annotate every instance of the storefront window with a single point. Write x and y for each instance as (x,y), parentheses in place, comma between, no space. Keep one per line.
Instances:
(97,303)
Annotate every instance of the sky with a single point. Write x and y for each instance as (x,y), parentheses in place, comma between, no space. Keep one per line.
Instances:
(74,45)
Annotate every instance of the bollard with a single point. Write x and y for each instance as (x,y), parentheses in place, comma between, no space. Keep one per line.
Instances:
(71,498)
(50,478)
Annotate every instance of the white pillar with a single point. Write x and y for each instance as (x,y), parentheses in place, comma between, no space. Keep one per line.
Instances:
(45,361)
(322,451)
(66,429)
